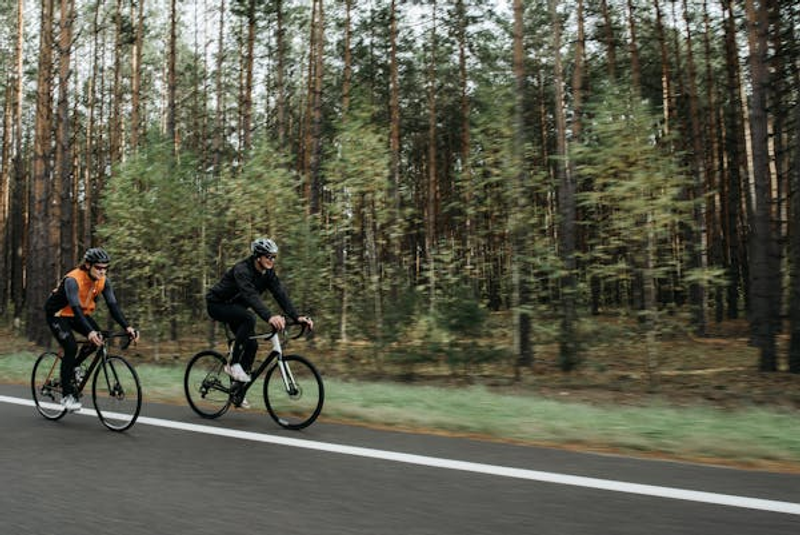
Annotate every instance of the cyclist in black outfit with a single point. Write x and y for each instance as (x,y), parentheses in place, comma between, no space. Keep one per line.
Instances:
(69,308)
(240,289)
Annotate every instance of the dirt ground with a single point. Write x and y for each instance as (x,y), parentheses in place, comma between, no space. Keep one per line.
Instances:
(720,369)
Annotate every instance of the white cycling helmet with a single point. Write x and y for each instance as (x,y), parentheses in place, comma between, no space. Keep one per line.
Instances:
(263,246)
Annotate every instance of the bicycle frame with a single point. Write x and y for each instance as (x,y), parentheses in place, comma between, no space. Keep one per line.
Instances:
(100,354)
(239,388)
(276,352)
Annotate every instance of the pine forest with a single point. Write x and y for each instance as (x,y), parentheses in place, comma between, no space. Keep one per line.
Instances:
(436,173)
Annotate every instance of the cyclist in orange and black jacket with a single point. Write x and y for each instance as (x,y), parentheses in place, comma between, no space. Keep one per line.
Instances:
(240,289)
(69,308)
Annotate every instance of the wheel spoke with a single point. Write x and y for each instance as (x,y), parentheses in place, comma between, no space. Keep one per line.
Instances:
(46,386)
(206,385)
(293,392)
(117,394)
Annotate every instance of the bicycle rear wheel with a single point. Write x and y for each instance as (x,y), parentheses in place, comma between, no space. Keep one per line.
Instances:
(206,385)
(294,393)
(116,393)
(46,386)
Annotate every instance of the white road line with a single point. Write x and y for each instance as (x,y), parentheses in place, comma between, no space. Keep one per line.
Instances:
(481,468)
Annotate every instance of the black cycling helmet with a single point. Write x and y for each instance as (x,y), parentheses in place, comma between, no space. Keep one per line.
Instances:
(263,246)
(96,255)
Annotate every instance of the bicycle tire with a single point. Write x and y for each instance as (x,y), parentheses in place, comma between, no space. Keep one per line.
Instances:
(46,386)
(300,408)
(116,393)
(207,386)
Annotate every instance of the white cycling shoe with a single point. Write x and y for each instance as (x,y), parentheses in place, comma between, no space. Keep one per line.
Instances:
(71,404)
(237,373)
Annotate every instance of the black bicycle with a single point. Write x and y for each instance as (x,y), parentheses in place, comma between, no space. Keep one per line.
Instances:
(116,390)
(293,389)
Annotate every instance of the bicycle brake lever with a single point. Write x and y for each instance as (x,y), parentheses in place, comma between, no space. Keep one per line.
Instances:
(126,344)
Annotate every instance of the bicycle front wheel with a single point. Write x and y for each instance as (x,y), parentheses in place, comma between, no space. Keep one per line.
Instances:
(116,393)
(46,386)
(293,392)
(206,384)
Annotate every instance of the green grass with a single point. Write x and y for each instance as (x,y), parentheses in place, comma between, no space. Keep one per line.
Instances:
(754,437)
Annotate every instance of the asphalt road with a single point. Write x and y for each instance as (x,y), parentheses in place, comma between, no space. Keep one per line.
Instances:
(176,473)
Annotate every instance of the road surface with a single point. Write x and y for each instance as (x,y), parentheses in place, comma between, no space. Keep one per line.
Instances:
(175,473)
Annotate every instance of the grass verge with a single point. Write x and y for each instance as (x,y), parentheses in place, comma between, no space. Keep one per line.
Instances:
(747,437)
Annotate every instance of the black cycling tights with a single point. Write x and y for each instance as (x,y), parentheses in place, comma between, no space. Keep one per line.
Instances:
(243,323)
(62,328)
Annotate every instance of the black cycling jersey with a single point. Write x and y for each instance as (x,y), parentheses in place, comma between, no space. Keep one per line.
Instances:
(243,285)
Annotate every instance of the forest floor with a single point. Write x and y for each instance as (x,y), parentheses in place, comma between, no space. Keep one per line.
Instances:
(719,370)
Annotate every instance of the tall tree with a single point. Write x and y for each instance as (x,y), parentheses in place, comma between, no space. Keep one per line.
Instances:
(697,237)
(280,77)
(42,259)
(566,203)
(713,161)
(521,290)
(764,270)
(11,176)
(221,102)
(315,168)
(394,104)
(732,178)
(466,149)
(64,212)
(172,76)
(636,66)
(432,193)
(610,40)
(794,233)
(115,130)
(136,73)
(248,64)
(666,82)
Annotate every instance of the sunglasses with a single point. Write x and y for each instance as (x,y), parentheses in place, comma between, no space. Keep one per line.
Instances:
(270,257)
(100,268)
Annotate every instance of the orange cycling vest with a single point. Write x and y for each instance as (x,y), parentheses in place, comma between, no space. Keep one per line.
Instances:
(88,290)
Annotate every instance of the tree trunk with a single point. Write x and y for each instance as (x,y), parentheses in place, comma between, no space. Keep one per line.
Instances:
(568,354)
(713,165)
(315,169)
(394,108)
(63,158)
(610,40)
(136,78)
(280,86)
(41,260)
(5,190)
(666,83)
(732,181)
(763,255)
(16,188)
(89,178)
(432,185)
(305,144)
(794,234)
(636,67)
(220,118)
(520,286)
(697,237)
(172,82)
(347,74)
(115,123)
(247,90)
